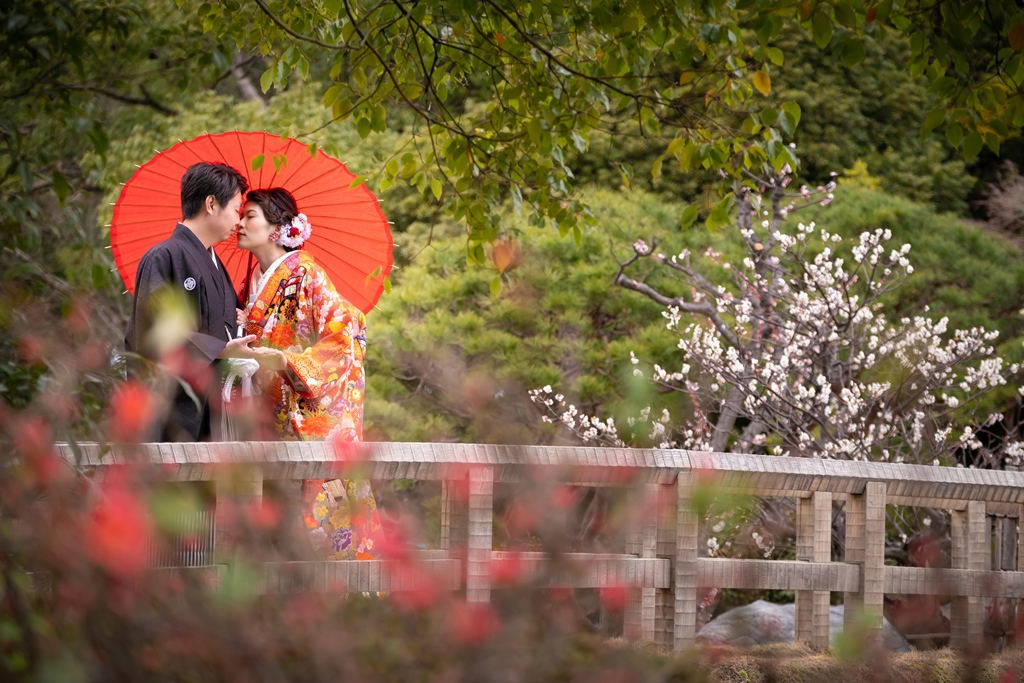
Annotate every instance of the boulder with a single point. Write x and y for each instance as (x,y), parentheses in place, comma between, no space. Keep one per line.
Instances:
(762,623)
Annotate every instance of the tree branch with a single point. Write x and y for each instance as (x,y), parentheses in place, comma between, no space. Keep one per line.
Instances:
(146,100)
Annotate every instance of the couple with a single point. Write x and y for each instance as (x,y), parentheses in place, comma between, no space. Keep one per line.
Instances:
(307,340)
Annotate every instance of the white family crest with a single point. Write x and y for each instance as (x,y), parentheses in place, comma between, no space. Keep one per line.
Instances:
(190,283)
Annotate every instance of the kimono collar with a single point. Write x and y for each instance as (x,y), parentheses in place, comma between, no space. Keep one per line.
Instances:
(265,277)
(292,263)
(181,232)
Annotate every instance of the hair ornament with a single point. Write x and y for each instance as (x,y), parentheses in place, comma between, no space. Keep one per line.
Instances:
(295,233)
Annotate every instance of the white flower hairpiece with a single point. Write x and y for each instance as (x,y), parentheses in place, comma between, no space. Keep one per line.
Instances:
(295,233)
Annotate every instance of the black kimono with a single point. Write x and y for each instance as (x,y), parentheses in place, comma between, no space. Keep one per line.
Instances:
(182,263)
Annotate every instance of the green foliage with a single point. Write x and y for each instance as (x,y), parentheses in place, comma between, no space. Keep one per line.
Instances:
(873,113)
(73,70)
(70,68)
(505,94)
(962,271)
(449,361)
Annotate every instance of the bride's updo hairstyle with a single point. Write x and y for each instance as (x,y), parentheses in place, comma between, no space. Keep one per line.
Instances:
(279,207)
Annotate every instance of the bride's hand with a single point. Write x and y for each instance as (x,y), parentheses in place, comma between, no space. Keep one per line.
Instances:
(271,359)
(240,317)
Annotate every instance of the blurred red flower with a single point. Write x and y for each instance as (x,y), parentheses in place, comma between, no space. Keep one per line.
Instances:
(131,411)
(473,622)
(564,497)
(32,437)
(30,348)
(507,570)
(425,594)
(613,597)
(117,532)
(263,514)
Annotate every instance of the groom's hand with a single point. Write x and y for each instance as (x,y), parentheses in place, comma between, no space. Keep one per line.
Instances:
(239,348)
(271,359)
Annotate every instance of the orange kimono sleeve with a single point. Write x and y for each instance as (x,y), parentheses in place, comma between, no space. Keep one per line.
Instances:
(337,340)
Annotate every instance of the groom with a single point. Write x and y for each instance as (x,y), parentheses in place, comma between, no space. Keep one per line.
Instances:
(190,339)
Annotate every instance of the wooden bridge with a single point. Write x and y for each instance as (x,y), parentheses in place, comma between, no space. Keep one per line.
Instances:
(663,568)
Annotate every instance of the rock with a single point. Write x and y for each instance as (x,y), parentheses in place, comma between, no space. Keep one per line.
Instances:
(762,623)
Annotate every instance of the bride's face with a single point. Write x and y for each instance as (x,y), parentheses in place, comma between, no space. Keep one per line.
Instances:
(253,230)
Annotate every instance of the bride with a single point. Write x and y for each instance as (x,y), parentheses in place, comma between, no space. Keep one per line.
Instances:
(310,344)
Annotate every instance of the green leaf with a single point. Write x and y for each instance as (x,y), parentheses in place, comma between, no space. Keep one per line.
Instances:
(786,123)
(99,276)
(534,129)
(496,286)
(884,10)
(689,216)
(821,28)
(257,161)
(357,181)
(954,133)
(359,76)
(60,186)
(332,8)
(378,118)
(25,173)
(363,127)
(972,145)
(412,90)
(267,79)
(776,56)
(656,168)
(844,14)
(992,142)
(387,285)
(793,110)
(436,188)
(476,254)
(333,93)
(392,167)
(853,53)
(769,115)
(719,217)
(371,276)
(934,118)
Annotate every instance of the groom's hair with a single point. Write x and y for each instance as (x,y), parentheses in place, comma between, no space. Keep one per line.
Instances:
(204,179)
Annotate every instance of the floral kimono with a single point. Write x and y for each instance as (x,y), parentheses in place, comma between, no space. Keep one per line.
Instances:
(294,308)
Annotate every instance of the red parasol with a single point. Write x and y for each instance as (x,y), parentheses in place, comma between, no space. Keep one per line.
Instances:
(351,236)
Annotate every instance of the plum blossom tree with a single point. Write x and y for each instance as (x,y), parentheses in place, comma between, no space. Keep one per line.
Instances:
(793,353)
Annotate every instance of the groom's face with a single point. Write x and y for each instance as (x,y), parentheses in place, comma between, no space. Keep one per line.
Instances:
(225,218)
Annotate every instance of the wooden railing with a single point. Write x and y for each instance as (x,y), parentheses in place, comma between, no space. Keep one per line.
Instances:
(663,565)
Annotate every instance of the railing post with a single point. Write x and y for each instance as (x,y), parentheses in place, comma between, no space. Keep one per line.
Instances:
(685,616)
(1018,632)
(813,544)
(642,541)
(235,492)
(665,539)
(865,546)
(967,614)
(454,519)
(480,541)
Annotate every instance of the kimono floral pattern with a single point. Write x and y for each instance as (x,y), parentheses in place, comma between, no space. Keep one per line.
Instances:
(319,396)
